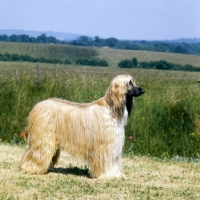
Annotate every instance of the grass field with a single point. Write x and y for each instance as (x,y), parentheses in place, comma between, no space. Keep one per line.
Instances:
(165,123)
(112,56)
(47,50)
(148,178)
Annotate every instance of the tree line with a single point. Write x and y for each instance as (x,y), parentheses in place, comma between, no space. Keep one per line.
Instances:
(91,62)
(27,39)
(159,46)
(161,64)
(17,57)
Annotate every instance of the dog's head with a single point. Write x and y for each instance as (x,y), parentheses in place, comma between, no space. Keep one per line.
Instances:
(121,92)
(126,85)
(133,89)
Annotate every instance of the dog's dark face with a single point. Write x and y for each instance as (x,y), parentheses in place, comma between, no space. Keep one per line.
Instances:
(134,90)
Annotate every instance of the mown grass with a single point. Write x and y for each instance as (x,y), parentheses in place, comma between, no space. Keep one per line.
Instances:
(148,178)
(165,121)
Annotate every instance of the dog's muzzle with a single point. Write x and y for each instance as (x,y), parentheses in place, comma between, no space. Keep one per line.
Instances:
(136,92)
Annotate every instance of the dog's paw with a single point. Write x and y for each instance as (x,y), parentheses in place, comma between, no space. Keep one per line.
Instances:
(122,176)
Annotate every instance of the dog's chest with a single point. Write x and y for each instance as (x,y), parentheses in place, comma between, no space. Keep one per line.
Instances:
(120,134)
(120,123)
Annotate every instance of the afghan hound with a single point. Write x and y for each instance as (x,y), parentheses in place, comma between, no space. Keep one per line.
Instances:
(92,131)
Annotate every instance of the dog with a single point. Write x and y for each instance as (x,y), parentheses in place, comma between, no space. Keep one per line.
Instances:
(92,131)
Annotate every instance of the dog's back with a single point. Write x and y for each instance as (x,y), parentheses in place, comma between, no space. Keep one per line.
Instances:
(69,125)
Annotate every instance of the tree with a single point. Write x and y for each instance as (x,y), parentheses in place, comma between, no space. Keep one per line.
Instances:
(42,38)
(52,39)
(103,63)
(97,39)
(24,38)
(111,42)
(180,49)
(4,38)
(135,62)
(126,64)
(84,40)
(13,38)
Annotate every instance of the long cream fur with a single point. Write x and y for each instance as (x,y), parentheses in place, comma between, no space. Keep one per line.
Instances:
(93,131)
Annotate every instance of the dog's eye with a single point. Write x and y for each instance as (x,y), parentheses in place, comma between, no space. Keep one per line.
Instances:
(130,83)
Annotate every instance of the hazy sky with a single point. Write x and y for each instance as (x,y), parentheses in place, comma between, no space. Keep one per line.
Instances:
(123,19)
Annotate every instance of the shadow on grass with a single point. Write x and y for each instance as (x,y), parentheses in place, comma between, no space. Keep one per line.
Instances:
(71,170)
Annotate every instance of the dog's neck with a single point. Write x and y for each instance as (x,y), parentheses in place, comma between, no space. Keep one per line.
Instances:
(129,104)
(118,105)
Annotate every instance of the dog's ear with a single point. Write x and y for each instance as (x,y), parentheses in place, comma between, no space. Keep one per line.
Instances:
(115,97)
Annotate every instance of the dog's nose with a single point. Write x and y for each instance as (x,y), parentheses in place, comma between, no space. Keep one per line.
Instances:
(142,90)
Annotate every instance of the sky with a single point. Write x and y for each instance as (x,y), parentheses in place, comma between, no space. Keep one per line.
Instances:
(122,19)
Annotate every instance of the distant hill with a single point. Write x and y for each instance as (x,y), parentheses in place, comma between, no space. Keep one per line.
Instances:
(181,40)
(186,40)
(179,46)
(58,35)
(112,56)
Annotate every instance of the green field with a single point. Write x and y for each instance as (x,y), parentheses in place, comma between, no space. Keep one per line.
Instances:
(112,56)
(165,121)
(47,50)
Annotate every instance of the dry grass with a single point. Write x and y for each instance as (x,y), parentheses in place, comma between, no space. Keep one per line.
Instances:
(149,178)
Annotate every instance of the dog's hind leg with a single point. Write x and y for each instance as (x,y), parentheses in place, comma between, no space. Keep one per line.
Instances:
(39,156)
(55,158)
